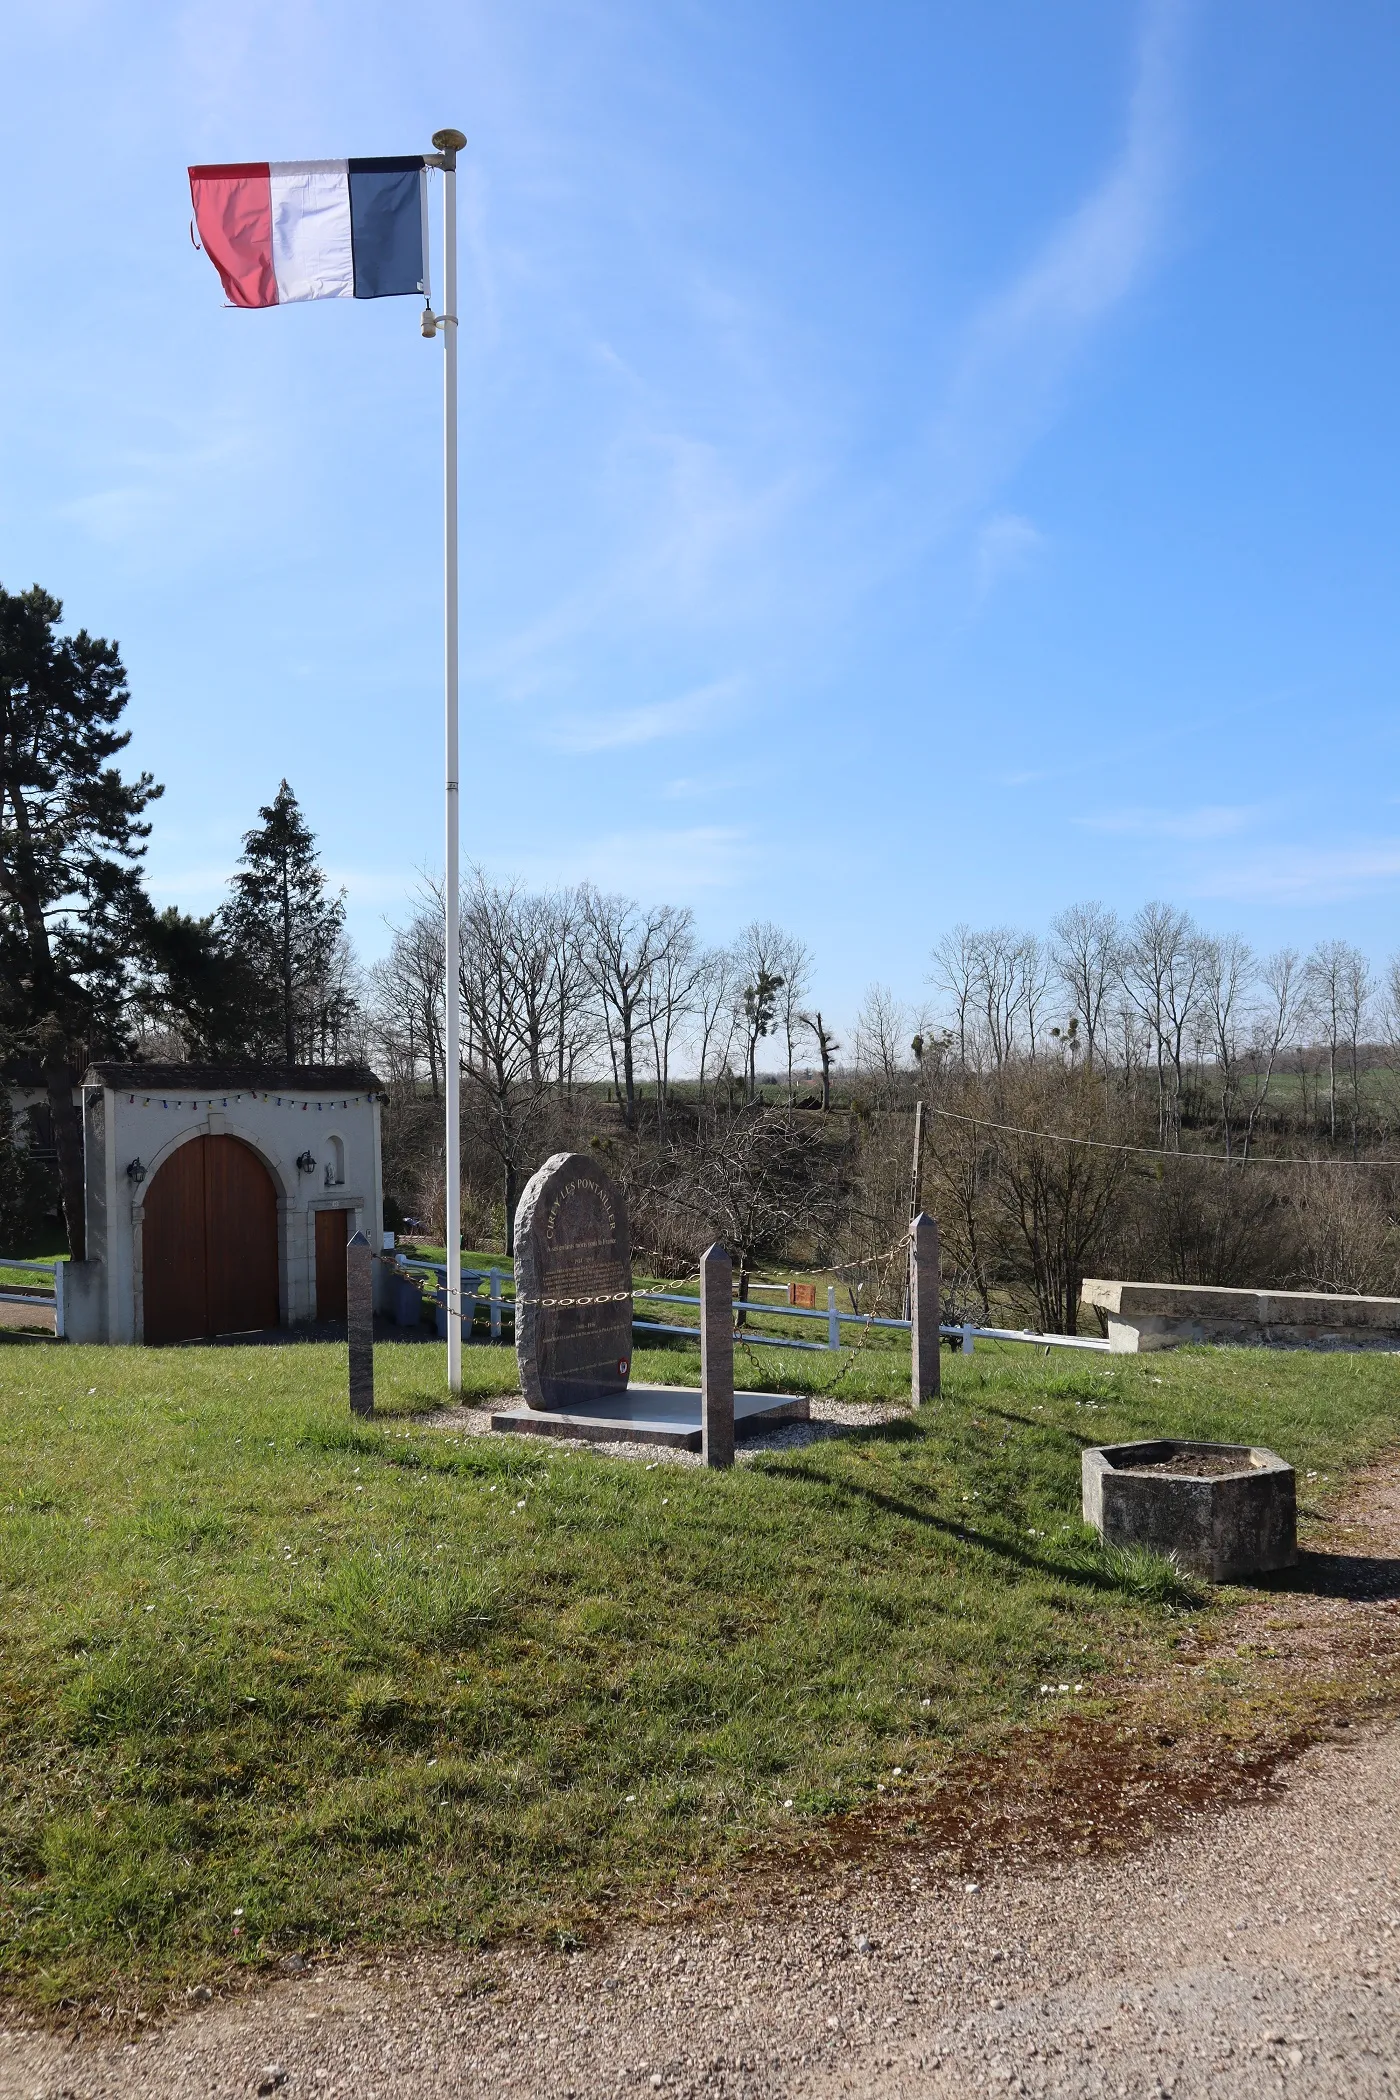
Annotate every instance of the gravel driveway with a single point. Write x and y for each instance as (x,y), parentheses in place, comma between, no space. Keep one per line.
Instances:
(1258,1953)
(1251,1949)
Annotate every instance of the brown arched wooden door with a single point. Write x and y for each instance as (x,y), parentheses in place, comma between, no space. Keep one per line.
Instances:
(332,1231)
(209,1243)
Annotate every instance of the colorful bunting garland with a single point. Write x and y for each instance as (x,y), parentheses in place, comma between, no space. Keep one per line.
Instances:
(281,1100)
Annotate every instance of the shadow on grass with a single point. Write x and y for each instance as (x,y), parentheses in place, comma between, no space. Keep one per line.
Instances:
(1084,1574)
(385,1330)
(1358,1577)
(1071,1436)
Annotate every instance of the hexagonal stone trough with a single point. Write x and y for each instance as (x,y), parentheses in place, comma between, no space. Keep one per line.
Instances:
(1225,1511)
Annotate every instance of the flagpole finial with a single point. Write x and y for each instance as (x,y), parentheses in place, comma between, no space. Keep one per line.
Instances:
(449,144)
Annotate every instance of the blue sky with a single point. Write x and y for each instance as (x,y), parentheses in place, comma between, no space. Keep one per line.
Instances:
(920,462)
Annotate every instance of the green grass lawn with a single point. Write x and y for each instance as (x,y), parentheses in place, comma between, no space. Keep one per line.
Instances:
(270,1681)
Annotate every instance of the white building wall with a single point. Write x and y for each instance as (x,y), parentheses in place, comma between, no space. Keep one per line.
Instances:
(122,1125)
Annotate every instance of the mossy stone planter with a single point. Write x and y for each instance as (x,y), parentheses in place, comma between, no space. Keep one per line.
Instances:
(1224,1511)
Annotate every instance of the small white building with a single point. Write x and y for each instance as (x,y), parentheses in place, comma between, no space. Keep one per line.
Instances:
(220,1198)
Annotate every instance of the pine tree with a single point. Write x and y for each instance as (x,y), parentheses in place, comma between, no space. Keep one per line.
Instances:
(198,990)
(73,913)
(286,935)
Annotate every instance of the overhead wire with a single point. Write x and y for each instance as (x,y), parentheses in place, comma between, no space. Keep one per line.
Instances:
(1219,1159)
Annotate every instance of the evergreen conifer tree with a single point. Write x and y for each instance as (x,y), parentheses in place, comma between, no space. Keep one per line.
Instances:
(24,1185)
(73,913)
(285,933)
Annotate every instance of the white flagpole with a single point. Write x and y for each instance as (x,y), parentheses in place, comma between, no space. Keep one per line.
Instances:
(449,144)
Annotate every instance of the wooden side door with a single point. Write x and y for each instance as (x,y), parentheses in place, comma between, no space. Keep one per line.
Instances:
(173,1261)
(332,1232)
(240,1234)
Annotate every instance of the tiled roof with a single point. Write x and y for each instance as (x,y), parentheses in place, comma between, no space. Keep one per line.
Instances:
(216,1079)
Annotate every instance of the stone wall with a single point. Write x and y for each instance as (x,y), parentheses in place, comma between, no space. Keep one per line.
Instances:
(1142,1316)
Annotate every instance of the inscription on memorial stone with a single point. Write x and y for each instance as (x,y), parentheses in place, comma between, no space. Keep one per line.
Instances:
(573,1286)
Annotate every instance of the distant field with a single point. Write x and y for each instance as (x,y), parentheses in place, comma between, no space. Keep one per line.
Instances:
(270,1681)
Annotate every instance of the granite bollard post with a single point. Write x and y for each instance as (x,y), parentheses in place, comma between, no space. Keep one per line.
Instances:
(716,1357)
(925,1308)
(359,1323)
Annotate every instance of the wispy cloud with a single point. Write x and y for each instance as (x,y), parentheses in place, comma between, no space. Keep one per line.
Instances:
(698,787)
(1005,544)
(1304,875)
(653,863)
(1213,820)
(649,724)
(1019,349)
(150,490)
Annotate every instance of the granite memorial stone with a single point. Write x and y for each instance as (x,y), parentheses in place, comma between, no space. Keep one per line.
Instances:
(573,1286)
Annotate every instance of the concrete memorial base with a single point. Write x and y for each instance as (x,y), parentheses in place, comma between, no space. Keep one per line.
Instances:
(1225,1511)
(653,1414)
(1140,1316)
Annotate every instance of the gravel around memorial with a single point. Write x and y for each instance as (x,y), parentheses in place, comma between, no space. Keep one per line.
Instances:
(829,1418)
(1145,1916)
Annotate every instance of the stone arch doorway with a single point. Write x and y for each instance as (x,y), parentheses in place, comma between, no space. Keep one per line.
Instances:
(209,1243)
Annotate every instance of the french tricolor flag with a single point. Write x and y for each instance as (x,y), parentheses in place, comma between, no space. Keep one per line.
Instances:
(277,231)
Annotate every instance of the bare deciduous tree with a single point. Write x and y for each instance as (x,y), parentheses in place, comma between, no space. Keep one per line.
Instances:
(1227,977)
(763,1183)
(1339,989)
(955,972)
(881,1032)
(500,952)
(1275,1020)
(669,995)
(407,996)
(573,1023)
(827,1047)
(715,1018)
(1088,956)
(761,950)
(623,943)
(1161,974)
(796,962)
(1059,1196)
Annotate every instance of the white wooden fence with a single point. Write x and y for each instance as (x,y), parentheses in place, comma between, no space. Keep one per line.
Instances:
(471,1279)
(24,1294)
(968,1333)
(835,1319)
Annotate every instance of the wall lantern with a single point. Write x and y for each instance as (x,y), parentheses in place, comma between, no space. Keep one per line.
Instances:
(135,1173)
(307,1163)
